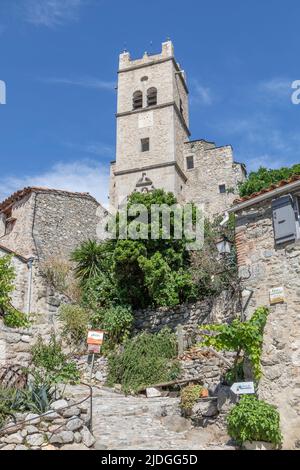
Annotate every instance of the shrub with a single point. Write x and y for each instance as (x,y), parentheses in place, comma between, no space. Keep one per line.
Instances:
(12,317)
(52,364)
(116,321)
(91,260)
(239,336)
(254,420)
(144,360)
(100,292)
(15,319)
(75,322)
(189,395)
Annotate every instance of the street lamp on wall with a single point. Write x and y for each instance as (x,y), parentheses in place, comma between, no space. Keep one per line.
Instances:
(223,245)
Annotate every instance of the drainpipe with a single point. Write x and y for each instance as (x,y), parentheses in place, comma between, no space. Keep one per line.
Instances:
(29,290)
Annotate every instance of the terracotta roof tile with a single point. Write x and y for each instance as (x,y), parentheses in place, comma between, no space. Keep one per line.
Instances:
(34,189)
(12,252)
(280,184)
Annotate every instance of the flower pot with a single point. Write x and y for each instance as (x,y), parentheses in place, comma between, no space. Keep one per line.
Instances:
(258,445)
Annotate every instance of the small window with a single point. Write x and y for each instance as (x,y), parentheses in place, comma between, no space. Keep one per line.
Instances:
(222,188)
(9,225)
(137,100)
(190,162)
(151,96)
(145,144)
(180,106)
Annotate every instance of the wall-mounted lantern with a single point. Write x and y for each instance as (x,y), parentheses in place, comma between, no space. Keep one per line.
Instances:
(223,245)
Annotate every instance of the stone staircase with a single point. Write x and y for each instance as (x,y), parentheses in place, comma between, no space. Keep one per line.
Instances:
(130,423)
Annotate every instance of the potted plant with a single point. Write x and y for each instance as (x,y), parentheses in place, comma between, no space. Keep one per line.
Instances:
(254,424)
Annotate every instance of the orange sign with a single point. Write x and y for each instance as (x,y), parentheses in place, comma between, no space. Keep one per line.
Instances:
(94,348)
(95,337)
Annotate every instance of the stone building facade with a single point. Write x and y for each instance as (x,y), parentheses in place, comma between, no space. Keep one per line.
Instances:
(268,248)
(153,146)
(37,224)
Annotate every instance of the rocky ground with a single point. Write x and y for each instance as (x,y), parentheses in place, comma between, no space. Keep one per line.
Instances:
(126,423)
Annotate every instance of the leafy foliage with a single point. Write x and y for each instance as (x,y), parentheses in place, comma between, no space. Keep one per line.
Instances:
(189,395)
(91,260)
(116,321)
(263,178)
(254,420)
(236,373)
(15,319)
(240,336)
(7,276)
(12,317)
(144,360)
(212,273)
(51,364)
(138,272)
(75,322)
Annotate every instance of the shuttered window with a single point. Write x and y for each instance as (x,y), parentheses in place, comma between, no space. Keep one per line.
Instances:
(284,219)
(137,100)
(152,96)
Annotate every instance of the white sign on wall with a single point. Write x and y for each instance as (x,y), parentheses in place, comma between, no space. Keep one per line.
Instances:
(242,388)
(277,295)
(146,119)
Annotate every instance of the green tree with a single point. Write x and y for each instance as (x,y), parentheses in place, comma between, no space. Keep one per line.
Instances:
(137,272)
(264,178)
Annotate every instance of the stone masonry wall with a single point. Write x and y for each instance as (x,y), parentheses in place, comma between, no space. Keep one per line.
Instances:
(220,309)
(20,238)
(15,343)
(213,166)
(62,222)
(263,266)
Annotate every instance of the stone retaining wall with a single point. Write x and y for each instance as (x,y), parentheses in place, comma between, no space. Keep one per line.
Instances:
(15,343)
(209,367)
(219,309)
(63,427)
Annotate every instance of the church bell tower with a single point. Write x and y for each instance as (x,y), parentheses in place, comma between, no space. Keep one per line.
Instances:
(152,125)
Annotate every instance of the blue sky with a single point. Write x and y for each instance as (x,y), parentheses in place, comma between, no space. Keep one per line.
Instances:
(59,60)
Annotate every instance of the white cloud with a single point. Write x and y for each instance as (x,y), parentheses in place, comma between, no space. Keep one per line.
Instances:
(51,13)
(276,86)
(79,176)
(93,148)
(265,160)
(275,90)
(85,82)
(201,94)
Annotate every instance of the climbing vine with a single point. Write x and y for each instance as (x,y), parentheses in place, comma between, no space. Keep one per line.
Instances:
(243,337)
(12,317)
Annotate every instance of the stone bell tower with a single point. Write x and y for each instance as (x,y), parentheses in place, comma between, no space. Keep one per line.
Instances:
(152,125)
